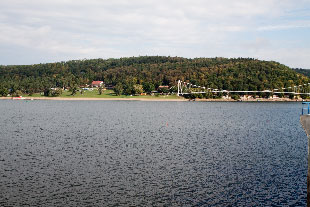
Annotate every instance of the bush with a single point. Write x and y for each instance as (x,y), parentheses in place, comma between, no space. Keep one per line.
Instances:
(100,90)
(200,96)
(138,89)
(47,92)
(194,95)
(73,90)
(4,92)
(235,96)
(17,93)
(148,87)
(280,95)
(266,95)
(218,95)
(208,95)
(56,92)
(303,96)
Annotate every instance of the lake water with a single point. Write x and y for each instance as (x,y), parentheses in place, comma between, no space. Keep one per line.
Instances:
(130,153)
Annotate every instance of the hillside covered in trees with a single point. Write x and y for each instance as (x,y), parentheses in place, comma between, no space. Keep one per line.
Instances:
(305,72)
(151,72)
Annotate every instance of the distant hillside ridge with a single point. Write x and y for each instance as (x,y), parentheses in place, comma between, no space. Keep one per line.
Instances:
(221,73)
(305,72)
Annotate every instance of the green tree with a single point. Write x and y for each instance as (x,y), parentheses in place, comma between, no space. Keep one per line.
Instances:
(173,89)
(208,95)
(235,96)
(266,95)
(128,88)
(4,92)
(14,88)
(303,96)
(31,91)
(291,96)
(200,96)
(17,93)
(280,95)
(148,87)
(100,90)
(219,95)
(56,92)
(118,89)
(138,89)
(73,90)
(47,92)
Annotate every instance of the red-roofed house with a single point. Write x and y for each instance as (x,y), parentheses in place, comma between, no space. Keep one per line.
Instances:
(163,89)
(97,83)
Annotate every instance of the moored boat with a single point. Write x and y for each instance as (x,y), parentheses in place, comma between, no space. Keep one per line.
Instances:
(18,98)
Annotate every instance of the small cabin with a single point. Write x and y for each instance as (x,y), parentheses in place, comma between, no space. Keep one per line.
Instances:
(163,89)
(97,84)
(160,87)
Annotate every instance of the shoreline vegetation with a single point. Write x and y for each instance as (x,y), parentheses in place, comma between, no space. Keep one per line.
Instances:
(156,99)
(109,95)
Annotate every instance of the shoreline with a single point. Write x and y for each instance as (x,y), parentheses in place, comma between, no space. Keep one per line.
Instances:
(154,99)
(93,99)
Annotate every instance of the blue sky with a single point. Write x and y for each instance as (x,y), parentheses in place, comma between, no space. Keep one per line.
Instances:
(37,31)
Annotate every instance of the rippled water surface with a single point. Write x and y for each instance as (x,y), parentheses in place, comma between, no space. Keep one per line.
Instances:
(127,153)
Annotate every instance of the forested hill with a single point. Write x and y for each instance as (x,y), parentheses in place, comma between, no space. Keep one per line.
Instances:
(221,73)
(305,72)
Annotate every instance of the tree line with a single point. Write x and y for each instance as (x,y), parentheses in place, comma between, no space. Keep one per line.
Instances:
(146,73)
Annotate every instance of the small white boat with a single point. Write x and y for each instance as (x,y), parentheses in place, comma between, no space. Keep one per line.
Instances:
(18,98)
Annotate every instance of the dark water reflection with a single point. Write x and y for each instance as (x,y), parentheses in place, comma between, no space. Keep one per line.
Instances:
(110,153)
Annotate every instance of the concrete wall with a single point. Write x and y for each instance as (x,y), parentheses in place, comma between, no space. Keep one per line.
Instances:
(305,122)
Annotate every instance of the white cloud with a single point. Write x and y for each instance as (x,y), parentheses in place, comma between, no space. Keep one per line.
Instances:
(104,28)
(287,26)
(293,57)
(257,45)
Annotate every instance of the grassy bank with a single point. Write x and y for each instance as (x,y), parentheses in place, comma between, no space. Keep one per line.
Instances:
(110,95)
(105,94)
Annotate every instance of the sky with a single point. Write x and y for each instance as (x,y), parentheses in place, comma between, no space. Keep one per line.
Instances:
(41,31)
